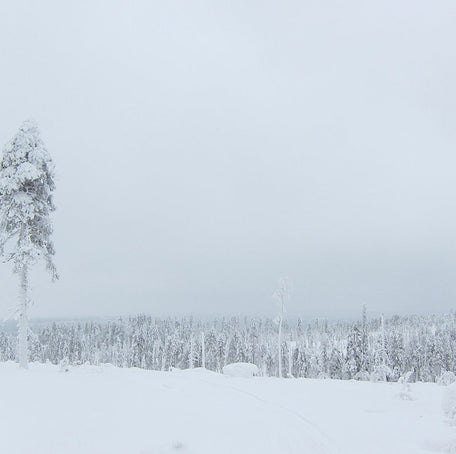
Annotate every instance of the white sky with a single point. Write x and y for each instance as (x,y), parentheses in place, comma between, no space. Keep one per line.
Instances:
(204,149)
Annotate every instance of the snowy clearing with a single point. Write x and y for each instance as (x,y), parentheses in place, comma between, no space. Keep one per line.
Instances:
(109,410)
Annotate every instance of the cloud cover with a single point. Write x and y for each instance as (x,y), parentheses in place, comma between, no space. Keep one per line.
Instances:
(204,149)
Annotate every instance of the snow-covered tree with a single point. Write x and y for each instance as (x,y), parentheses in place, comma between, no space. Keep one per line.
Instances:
(291,346)
(191,354)
(26,187)
(354,352)
(364,341)
(203,351)
(281,295)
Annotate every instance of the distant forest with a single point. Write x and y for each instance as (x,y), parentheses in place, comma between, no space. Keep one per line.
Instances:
(364,350)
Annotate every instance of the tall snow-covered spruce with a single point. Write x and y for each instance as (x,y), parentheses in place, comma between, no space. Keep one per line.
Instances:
(26,187)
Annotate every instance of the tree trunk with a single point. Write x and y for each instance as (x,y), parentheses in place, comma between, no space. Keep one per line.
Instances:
(23,319)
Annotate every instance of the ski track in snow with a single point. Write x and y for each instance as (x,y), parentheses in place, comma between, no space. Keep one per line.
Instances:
(274,405)
(294,438)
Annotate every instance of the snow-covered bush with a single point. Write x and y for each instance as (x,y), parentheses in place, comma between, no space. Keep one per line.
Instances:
(446,378)
(245,370)
(64,365)
(449,402)
(381,373)
(406,391)
(323,376)
(362,375)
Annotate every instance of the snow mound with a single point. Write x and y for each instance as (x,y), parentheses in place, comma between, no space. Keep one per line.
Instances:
(245,370)
(196,371)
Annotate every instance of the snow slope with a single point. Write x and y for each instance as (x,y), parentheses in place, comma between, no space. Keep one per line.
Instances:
(108,410)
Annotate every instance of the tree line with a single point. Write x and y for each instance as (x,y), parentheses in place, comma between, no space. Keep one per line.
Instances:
(366,349)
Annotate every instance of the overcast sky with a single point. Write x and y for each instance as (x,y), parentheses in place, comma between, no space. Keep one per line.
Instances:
(204,149)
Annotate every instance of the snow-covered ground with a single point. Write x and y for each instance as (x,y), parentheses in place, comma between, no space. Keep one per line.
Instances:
(108,410)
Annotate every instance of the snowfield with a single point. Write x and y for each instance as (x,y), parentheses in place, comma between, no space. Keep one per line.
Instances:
(109,410)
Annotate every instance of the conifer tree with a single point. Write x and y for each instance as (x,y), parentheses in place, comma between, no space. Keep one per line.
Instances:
(26,187)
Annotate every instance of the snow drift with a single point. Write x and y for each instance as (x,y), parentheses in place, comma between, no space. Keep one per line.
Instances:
(245,370)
